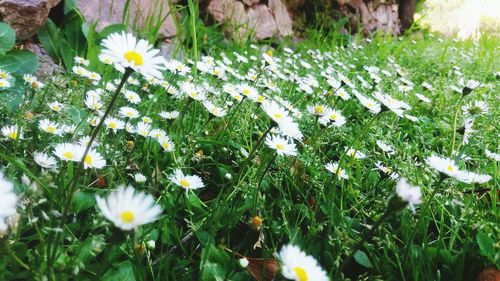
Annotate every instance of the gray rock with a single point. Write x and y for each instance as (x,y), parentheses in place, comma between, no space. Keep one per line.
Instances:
(47,66)
(26,16)
(107,12)
(259,20)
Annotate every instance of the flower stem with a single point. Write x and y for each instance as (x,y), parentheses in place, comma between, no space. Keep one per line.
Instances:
(76,177)
(365,236)
(455,119)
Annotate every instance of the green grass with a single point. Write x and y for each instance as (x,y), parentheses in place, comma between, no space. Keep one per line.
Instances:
(454,238)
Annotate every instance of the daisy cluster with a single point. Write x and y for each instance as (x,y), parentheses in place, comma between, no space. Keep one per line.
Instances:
(327,119)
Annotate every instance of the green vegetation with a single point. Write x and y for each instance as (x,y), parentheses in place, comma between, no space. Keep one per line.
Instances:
(251,129)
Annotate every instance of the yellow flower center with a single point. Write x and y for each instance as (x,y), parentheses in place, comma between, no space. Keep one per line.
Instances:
(260,99)
(56,108)
(51,129)
(88,159)
(246,92)
(68,155)
(112,125)
(165,145)
(133,56)
(280,146)
(3,84)
(318,109)
(450,168)
(333,117)
(369,104)
(127,216)
(278,116)
(301,273)
(12,135)
(184,183)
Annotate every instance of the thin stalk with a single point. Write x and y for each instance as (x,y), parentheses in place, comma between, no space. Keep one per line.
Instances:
(455,119)
(74,181)
(261,179)
(422,212)
(365,236)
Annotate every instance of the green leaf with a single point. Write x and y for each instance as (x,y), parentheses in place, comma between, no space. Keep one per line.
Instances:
(19,61)
(90,248)
(67,55)
(7,37)
(70,5)
(112,29)
(51,39)
(120,272)
(72,32)
(485,245)
(83,200)
(216,264)
(361,258)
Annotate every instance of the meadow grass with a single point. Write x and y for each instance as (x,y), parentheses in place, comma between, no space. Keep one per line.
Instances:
(254,201)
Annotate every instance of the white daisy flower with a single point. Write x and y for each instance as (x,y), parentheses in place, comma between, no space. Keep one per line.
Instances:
(12,132)
(128,112)
(492,155)
(476,108)
(317,109)
(142,129)
(282,146)
(385,147)
(56,106)
(4,84)
(213,109)
(128,209)
(443,165)
(126,51)
(132,97)
(166,143)
(408,193)
(80,60)
(296,265)
(423,98)
(170,115)
(157,133)
(44,160)
(68,152)
(335,117)
(114,124)
(355,153)
(49,127)
(185,181)
(334,168)
(370,104)
(139,178)
(8,201)
(471,177)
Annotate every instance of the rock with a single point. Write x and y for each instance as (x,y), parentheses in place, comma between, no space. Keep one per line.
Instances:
(108,12)
(26,16)
(47,66)
(383,17)
(283,20)
(261,21)
(250,2)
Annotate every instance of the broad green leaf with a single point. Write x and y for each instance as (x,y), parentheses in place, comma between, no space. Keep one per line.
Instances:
(120,272)
(50,37)
(112,29)
(70,5)
(216,264)
(361,258)
(7,37)
(19,61)
(485,245)
(83,200)
(90,248)
(72,32)
(67,55)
